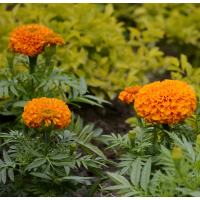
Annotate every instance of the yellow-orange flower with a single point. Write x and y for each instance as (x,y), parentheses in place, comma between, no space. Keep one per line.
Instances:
(52,38)
(166,102)
(27,39)
(128,95)
(46,109)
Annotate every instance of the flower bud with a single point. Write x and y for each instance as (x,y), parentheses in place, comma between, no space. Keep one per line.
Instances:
(48,52)
(132,136)
(72,148)
(10,54)
(198,141)
(177,156)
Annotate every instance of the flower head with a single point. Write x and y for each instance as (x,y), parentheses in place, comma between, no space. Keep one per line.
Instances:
(46,109)
(52,38)
(128,95)
(27,39)
(166,102)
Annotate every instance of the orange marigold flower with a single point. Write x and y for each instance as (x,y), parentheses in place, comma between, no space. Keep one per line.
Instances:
(52,38)
(166,102)
(27,39)
(128,95)
(46,109)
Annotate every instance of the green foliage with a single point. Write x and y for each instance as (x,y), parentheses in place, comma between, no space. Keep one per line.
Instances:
(95,45)
(33,168)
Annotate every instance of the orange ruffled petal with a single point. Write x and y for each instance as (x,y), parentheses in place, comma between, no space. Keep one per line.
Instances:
(129,94)
(47,109)
(166,102)
(27,39)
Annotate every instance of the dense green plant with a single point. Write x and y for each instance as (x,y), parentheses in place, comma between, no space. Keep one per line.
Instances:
(95,45)
(33,168)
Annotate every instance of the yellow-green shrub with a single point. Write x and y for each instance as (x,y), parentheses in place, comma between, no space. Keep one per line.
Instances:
(95,45)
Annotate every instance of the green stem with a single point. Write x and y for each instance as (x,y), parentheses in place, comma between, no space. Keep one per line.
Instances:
(10,63)
(137,117)
(48,61)
(166,127)
(32,64)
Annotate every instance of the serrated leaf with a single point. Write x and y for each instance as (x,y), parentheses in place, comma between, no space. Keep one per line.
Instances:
(118,179)
(77,125)
(63,86)
(94,149)
(41,175)
(6,156)
(135,174)
(118,187)
(83,85)
(144,181)
(89,137)
(11,174)
(13,90)
(59,157)
(3,175)
(20,104)
(67,170)
(97,132)
(1,92)
(83,133)
(50,84)
(35,153)
(36,164)
(5,90)
(183,61)
(42,83)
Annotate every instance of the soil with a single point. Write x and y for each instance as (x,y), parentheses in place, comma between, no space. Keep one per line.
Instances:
(112,119)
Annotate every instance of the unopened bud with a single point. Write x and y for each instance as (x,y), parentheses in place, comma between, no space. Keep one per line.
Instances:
(10,54)
(132,136)
(198,141)
(72,148)
(177,156)
(49,51)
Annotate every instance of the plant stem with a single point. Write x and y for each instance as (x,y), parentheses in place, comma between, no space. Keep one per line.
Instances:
(137,117)
(32,64)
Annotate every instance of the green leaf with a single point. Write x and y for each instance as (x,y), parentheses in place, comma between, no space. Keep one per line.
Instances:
(83,85)
(1,92)
(183,61)
(89,137)
(144,181)
(67,170)
(13,90)
(94,149)
(97,99)
(41,175)
(6,156)
(195,194)
(75,86)
(117,179)
(3,175)
(84,100)
(77,125)
(118,187)
(130,194)
(56,82)
(135,174)
(50,84)
(83,133)
(97,132)
(20,104)
(59,157)
(6,90)
(166,152)
(11,174)
(63,86)
(36,164)
(42,83)
(75,178)
(94,187)
(173,68)
(35,153)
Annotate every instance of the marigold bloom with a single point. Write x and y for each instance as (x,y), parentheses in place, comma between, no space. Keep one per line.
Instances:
(27,39)
(166,102)
(46,109)
(52,38)
(128,95)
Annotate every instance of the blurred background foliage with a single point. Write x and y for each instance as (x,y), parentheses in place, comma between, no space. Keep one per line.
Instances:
(114,46)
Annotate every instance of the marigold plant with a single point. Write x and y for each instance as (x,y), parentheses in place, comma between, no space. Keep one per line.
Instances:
(46,109)
(27,39)
(128,95)
(166,102)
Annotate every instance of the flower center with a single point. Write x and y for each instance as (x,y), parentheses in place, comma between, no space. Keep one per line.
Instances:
(48,113)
